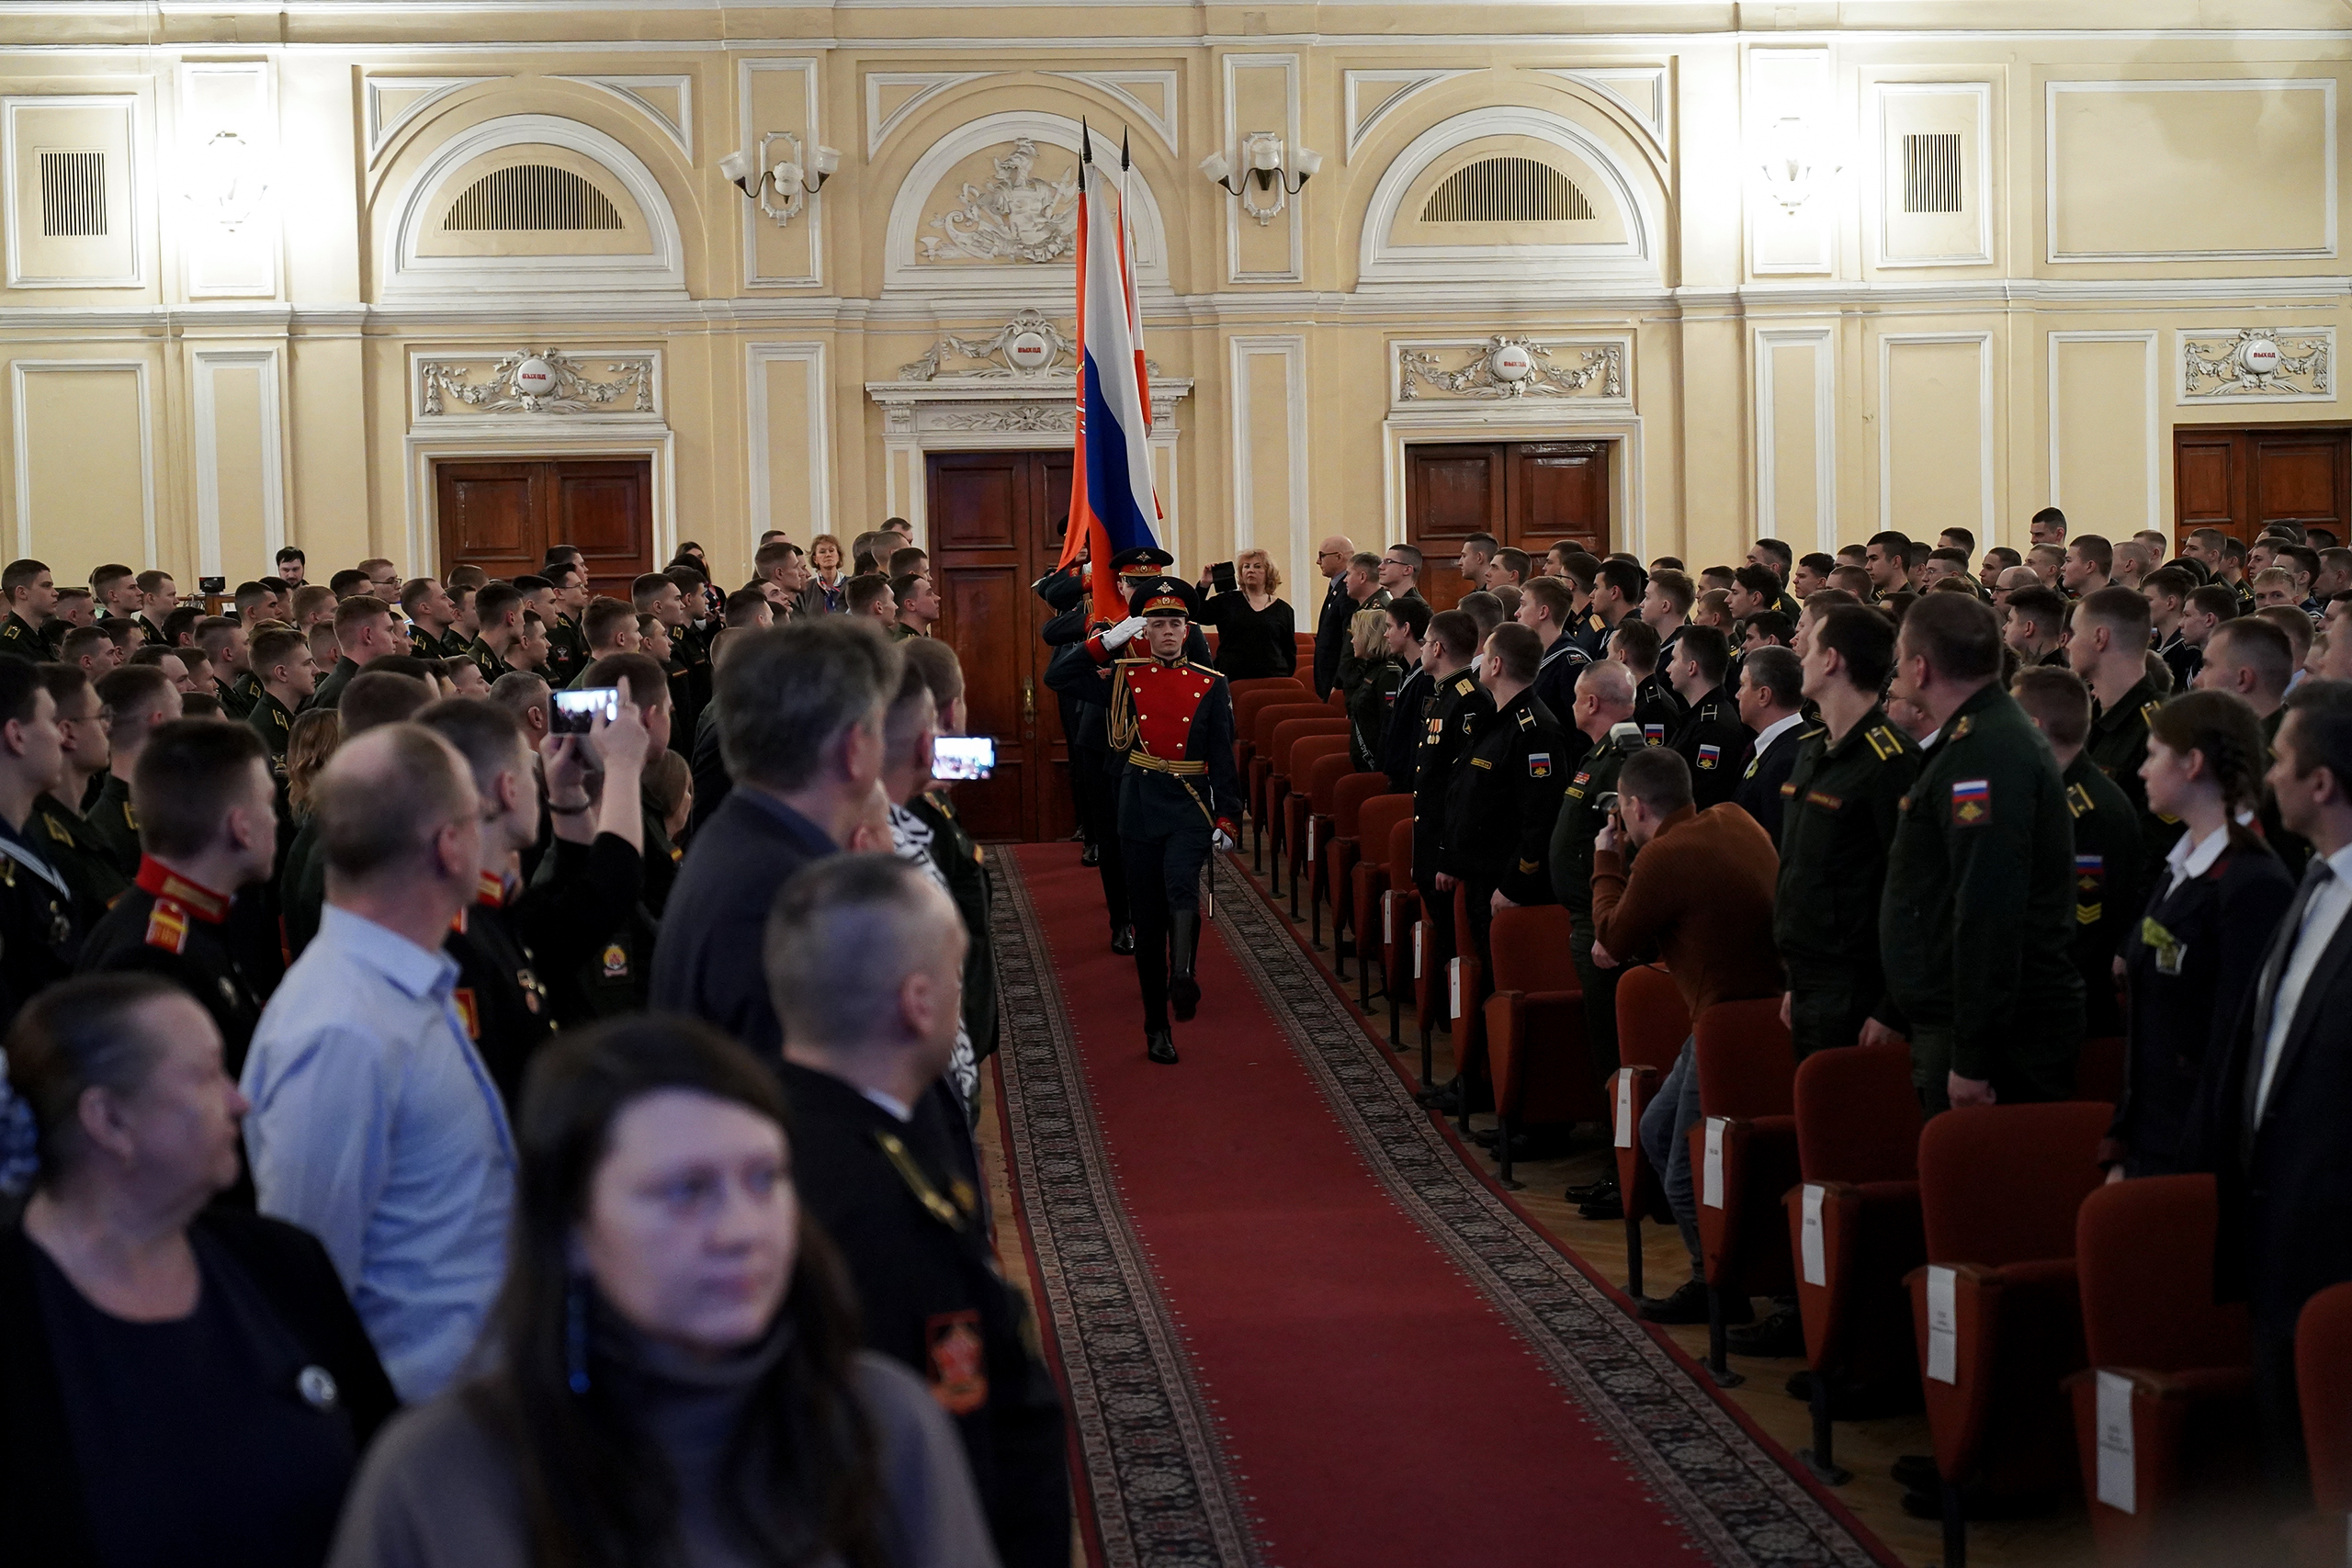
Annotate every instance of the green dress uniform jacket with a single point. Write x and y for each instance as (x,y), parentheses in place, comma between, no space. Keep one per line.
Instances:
(1978,916)
(567,654)
(1840,808)
(1580,821)
(112,827)
(328,692)
(1504,802)
(274,722)
(2109,887)
(19,640)
(1714,742)
(1461,708)
(2118,744)
(89,867)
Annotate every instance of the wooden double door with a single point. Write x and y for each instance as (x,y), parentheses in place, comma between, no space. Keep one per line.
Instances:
(1528,494)
(2241,478)
(501,516)
(997,521)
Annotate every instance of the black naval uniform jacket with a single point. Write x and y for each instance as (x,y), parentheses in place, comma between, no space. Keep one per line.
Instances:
(19,640)
(2108,887)
(1460,709)
(1504,801)
(88,866)
(890,1194)
(1408,712)
(194,937)
(2118,744)
(39,939)
(1555,677)
(1714,742)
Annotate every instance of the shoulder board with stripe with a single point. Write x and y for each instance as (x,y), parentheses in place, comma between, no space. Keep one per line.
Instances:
(1464,686)
(1883,742)
(167,927)
(1196,665)
(1526,718)
(57,830)
(2148,713)
(2078,800)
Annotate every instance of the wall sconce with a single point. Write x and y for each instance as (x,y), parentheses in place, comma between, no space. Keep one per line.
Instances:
(1261,167)
(1796,157)
(785,176)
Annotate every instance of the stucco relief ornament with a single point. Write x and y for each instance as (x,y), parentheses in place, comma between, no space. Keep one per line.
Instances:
(1021,417)
(537,381)
(1513,368)
(2254,363)
(1029,344)
(1014,217)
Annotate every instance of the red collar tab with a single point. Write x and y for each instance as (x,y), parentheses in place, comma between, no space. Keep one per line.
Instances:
(165,883)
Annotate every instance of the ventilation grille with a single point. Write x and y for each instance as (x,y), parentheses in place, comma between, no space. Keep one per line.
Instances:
(72,195)
(1506,190)
(532,196)
(1931,173)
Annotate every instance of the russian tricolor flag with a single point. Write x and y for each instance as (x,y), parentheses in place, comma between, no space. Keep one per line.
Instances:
(1112,502)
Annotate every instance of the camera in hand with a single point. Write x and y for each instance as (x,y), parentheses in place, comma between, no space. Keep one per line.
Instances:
(213,585)
(1222,578)
(962,756)
(573,713)
(1606,803)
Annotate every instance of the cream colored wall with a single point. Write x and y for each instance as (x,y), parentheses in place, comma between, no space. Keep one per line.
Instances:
(2134,191)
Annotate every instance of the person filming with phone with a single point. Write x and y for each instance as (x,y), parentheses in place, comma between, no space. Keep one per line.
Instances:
(1255,630)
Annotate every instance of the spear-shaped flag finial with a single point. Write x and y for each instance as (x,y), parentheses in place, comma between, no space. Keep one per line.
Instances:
(1124,163)
(1085,142)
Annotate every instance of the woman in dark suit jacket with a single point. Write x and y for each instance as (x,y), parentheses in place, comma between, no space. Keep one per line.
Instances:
(1256,633)
(2191,962)
(178,1385)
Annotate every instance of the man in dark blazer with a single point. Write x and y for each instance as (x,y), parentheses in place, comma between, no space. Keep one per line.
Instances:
(1771,702)
(800,721)
(2277,1111)
(1339,607)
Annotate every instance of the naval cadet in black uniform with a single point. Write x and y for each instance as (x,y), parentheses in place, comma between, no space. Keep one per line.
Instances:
(862,957)
(2109,652)
(208,829)
(38,939)
(31,596)
(1839,810)
(284,674)
(1453,719)
(1505,796)
(1172,722)
(1711,737)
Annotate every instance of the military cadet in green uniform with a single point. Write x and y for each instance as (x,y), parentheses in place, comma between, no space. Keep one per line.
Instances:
(2109,890)
(39,937)
(1710,738)
(1455,716)
(1603,715)
(136,698)
(1978,914)
(2109,652)
(282,668)
(58,827)
(498,613)
(31,594)
(568,650)
(1504,801)
(1838,811)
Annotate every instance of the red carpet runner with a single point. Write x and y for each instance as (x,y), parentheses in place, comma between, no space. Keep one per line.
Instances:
(1296,1329)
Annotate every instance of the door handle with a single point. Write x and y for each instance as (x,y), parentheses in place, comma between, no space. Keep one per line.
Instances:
(1029,703)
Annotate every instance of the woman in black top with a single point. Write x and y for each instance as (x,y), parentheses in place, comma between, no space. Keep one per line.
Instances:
(2199,947)
(1256,636)
(1369,675)
(178,1385)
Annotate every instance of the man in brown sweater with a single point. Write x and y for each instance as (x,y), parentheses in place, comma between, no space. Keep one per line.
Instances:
(1700,899)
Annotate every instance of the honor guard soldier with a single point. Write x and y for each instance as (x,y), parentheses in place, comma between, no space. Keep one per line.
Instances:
(1839,810)
(1505,797)
(2109,893)
(31,594)
(861,956)
(1453,719)
(39,939)
(1712,739)
(1979,907)
(1171,720)
(208,829)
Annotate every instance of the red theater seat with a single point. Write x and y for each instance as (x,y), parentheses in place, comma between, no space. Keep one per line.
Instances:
(1276,761)
(1535,1032)
(2323,1384)
(1997,1316)
(1248,706)
(1317,797)
(1252,683)
(1268,718)
(1335,874)
(1743,1157)
(2164,1416)
(1313,759)
(2099,1071)
(1652,1024)
(1399,910)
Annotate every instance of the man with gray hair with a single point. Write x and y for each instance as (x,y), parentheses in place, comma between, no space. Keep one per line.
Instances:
(864,957)
(374,1125)
(800,725)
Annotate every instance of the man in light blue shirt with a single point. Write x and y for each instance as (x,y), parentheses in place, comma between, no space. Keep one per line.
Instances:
(374,1125)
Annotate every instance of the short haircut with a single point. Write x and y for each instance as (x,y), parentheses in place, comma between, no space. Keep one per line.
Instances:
(2218,599)
(1895,544)
(607,619)
(1456,631)
(556,574)
(154,582)
(641,675)
(1950,557)
(1515,561)
(1622,576)
(2094,549)
(788,695)
(81,642)
(1855,580)
(743,606)
(2306,558)
(466,577)
(902,586)
(519,691)
(936,659)
(1758,580)
(1609,674)
(1582,567)
(773,553)
(1777,671)
(2170,581)
(1482,543)
(290,554)
(1967,536)
(2294,623)
(494,602)
(2124,611)
(1959,634)
(104,580)
(21,574)
(842,936)
(2321,712)
(1707,647)
(73,1037)
(379,697)
(1409,554)
(2001,555)
(1414,614)
(1521,651)
(155,653)
(1552,593)
(2051,514)
(909,706)
(383,801)
(1677,588)
(349,580)
(132,689)
(1774,626)
(484,734)
(865,592)
(311,597)
(687,576)
(412,593)
(907,559)
(352,612)
(1779,552)
(1484,608)
(188,774)
(2056,699)
(1636,643)
(643,591)
(1658,777)
(1862,639)
(1820,565)
(273,646)
(2045,607)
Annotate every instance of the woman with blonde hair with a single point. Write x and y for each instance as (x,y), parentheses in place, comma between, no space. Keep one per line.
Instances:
(1369,675)
(827,593)
(1256,634)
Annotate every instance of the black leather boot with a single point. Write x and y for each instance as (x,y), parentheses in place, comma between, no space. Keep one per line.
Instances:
(1123,941)
(1090,855)
(1159,1044)
(1183,937)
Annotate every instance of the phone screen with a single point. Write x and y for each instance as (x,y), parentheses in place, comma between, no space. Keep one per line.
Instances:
(573,713)
(963,757)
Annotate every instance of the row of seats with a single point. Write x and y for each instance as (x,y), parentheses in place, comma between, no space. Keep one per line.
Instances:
(2061,1333)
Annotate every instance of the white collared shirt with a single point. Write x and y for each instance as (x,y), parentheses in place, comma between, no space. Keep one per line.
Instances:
(1774,730)
(2191,860)
(2322,915)
(903,1113)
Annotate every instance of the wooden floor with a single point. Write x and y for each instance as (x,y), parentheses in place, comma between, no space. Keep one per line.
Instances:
(1865,1448)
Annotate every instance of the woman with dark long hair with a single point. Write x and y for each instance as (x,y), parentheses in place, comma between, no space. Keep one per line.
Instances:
(2189,963)
(674,1373)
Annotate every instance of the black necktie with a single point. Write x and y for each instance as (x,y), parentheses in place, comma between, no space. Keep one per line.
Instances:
(2282,952)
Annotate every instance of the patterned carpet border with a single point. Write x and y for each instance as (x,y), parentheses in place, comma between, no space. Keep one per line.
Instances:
(1164,1494)
(1741,1506)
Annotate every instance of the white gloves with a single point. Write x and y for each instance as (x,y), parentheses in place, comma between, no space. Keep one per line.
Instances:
(1222,839)
(1123,633)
